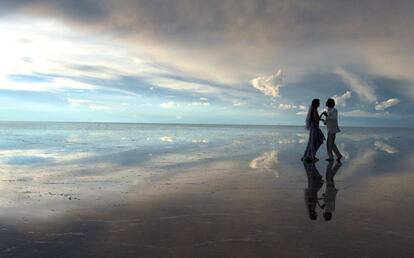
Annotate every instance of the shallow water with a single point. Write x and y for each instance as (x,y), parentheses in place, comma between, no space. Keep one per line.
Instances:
(131,190)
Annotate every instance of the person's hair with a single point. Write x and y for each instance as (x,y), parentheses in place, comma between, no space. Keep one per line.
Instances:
(315,103)
(330,103)
(327,216)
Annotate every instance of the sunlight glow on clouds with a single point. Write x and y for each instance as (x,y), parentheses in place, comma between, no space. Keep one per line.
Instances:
(269,85)
(363,88)
(386,104)
(340,100)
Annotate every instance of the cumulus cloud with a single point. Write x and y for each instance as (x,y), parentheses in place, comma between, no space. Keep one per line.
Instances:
(269,85)
(386,104)
(363,88)
(340,100)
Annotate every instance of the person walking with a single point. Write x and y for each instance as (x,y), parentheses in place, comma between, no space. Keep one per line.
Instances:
(331,122)
(316,136)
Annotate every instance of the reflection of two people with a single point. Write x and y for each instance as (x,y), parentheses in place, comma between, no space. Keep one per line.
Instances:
(315,183)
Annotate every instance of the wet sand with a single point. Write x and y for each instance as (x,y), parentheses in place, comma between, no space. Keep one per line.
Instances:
(102,190)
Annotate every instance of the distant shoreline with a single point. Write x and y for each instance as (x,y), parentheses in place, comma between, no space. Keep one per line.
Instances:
(191,124)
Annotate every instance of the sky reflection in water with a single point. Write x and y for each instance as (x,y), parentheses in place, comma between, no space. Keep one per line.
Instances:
(177,190)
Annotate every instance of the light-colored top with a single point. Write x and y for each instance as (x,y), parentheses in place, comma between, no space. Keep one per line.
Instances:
(332,121)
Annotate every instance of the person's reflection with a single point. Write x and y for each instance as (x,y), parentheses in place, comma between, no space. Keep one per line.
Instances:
(329,197)
(315,183)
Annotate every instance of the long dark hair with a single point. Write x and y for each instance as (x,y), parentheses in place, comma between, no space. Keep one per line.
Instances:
(315,103)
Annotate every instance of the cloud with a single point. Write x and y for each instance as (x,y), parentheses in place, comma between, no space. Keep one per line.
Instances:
(362,113)
(291,106)
(51,85)
(340,100)
(302,113)
(89,104)
(167,139)
(200,104)
(385,147)
(169,105)
(220,44)
(247,37)
(269,85)
(287,106)
(363,88)
(386,104)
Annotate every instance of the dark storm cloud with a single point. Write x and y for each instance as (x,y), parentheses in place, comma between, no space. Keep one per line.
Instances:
(234,19)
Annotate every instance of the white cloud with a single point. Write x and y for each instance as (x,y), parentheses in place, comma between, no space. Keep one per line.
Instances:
(167,139)
(269,85)
(386,104)
(287,106)
(53,85)
(340,100)
(301,113)
(385,147)
(169,105)
(89,104)
(291,106)
(362,113)
(200,104)
(363,88)
(183,85)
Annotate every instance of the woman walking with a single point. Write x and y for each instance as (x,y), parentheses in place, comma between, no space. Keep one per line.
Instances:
(316,136)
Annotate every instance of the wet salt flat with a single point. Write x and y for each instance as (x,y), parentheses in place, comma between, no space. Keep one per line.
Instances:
(130,190)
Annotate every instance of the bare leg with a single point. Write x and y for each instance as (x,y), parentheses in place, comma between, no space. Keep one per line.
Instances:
(329,145)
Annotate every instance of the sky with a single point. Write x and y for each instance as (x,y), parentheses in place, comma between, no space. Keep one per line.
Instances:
(206,61)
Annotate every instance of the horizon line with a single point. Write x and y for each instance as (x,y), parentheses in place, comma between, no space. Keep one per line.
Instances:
(192,124)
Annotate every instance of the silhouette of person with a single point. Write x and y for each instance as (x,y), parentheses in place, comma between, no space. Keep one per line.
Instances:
(329,197)
(331,122)
(315,183)
(316,136)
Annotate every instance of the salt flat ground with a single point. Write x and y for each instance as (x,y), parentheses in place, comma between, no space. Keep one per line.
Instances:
(136,190)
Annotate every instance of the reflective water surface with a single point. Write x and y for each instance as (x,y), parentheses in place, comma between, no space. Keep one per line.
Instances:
(128,190)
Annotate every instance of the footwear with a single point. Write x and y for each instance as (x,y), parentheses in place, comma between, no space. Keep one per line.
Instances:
(308,159)
(339,158)
(315,158)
